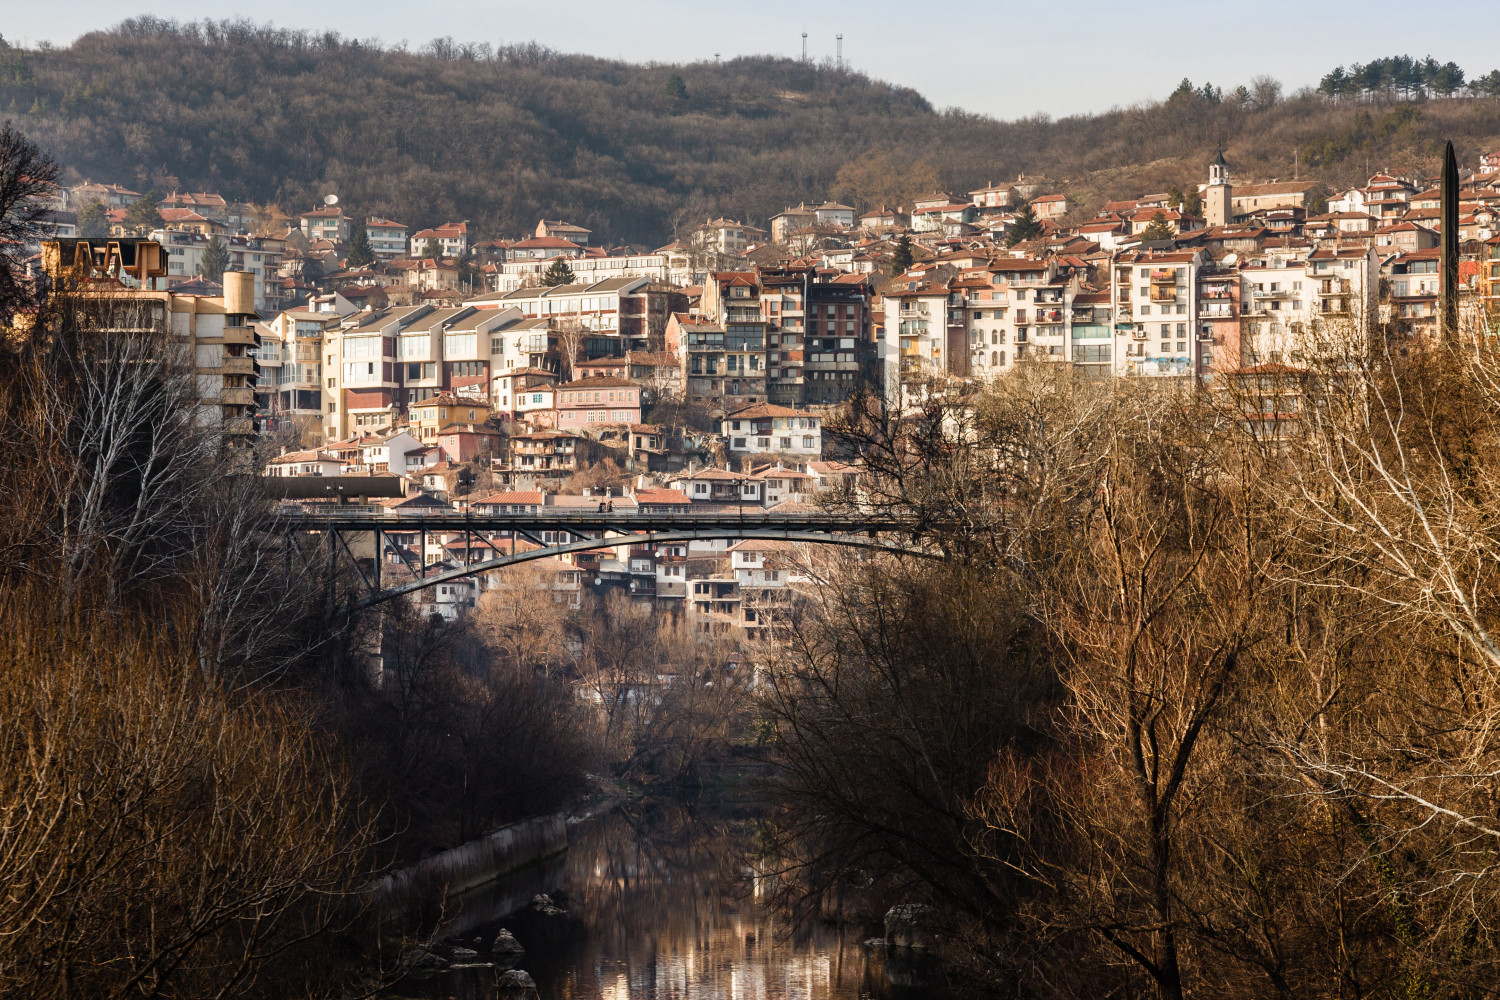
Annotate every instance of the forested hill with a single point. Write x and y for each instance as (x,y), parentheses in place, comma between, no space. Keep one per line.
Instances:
(502,136)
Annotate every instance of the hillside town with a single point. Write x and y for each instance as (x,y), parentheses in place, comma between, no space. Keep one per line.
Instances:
(507,374)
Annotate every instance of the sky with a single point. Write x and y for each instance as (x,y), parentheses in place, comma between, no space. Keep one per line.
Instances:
(1000,58)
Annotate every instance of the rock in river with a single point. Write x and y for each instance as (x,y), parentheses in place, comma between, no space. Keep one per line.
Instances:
(516,985)
(506,944)
(909,925)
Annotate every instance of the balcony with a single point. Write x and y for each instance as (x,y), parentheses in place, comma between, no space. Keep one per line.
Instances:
(1163,293)
(238,366)
(239,335)
(237,397)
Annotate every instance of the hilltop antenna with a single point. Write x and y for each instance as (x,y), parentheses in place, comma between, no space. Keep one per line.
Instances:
(804,46)
(839,59)
(716,58)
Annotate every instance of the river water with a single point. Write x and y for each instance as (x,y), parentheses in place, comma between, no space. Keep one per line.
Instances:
(658,906)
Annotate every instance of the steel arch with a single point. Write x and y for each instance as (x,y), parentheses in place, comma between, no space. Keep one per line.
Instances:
(702,534)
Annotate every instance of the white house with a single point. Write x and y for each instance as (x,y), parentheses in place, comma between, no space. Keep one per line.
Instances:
(452,238)
(765,427)
(390,453)
(304,463)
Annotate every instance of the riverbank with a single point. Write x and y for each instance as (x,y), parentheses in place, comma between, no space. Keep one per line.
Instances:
(658,903)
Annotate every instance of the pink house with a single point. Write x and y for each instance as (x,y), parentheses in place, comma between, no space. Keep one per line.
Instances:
(593,402)
(466,442)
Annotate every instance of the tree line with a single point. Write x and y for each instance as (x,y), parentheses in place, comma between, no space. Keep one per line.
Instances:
(200,773)
(503,135)
(1407,78)
(1197,704)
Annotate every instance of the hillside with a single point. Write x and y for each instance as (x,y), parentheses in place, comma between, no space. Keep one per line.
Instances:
(504,136)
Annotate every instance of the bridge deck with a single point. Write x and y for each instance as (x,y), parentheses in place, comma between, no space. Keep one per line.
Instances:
(576,521)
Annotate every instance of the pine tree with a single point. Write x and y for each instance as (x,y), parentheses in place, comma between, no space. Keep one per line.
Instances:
(360,253)
(1158,229)
(433,249)
(215,260)
(93,220)
(902,256)
(558,274)
(1023,227)
(142,215)
(676,89)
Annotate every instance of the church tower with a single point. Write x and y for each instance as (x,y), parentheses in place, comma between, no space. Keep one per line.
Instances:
(1218,196)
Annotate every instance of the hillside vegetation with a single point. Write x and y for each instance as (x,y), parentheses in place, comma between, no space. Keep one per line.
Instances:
(503,135)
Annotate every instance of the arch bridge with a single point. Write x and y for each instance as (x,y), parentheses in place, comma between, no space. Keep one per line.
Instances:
(556,533)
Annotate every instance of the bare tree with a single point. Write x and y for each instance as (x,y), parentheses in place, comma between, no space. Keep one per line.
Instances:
(28,180)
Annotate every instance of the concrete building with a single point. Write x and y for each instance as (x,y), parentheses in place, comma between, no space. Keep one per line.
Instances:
(216,334)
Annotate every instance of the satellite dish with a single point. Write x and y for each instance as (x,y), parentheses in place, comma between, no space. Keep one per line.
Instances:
(331,199)
(1230,259)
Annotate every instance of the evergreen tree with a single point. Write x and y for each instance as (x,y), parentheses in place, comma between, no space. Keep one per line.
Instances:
(433,249)
(1158,229)
(1023,227)
(142,215)
(93,220)
(360,253)
(215,260)
(901,255)
(676,89)
(558,274)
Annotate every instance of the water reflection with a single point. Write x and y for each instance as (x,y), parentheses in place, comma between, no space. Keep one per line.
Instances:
(656,912)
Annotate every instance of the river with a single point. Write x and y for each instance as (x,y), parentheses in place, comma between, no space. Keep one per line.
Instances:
(658,906)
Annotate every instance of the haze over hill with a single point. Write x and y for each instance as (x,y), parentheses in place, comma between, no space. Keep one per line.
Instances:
(502,137)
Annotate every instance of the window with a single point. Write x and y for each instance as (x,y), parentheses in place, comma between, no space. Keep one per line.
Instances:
(362,347)
(460,345)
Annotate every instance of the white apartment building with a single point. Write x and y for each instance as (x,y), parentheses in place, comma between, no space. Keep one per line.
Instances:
(513,274)
(1156,313)
(1304,304)
(387,238)
(916,349)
